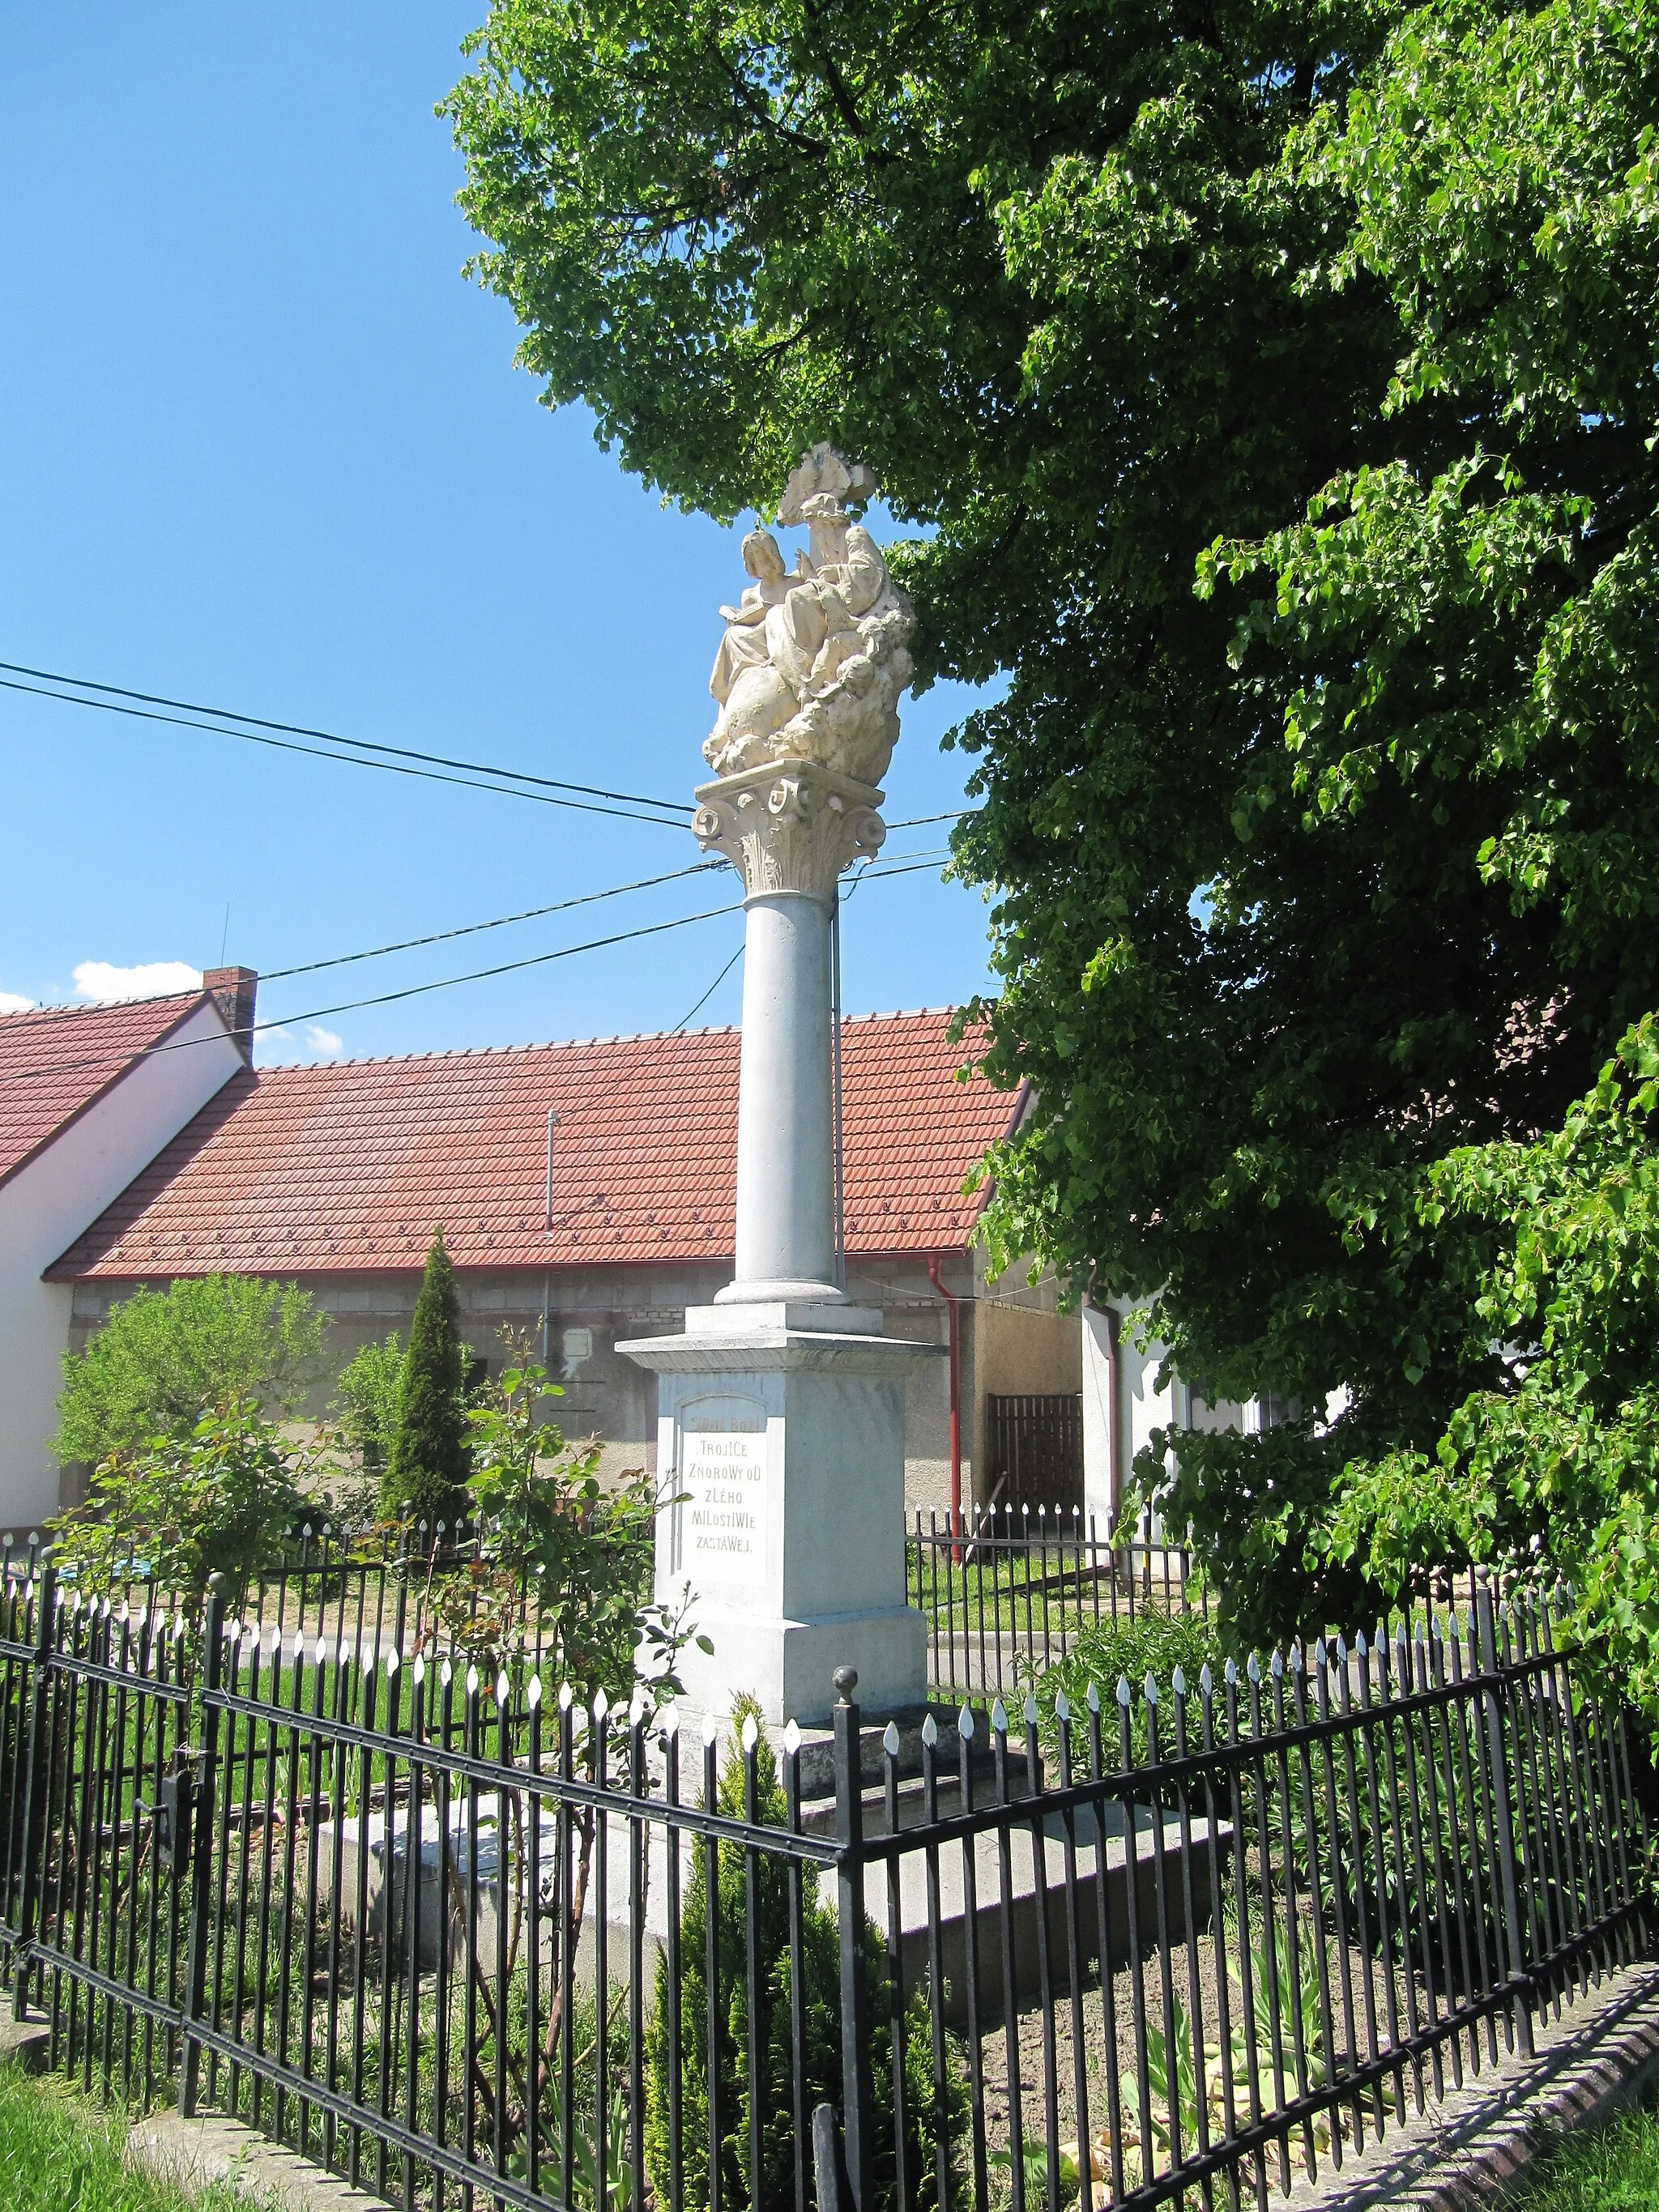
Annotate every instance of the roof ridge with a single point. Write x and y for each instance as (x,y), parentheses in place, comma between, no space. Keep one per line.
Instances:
(558,1045)
(33,1013)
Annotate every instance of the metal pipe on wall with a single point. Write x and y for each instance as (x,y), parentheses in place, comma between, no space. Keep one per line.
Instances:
(953,1309)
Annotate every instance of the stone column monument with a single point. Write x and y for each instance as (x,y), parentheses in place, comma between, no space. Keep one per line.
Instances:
(780,1409)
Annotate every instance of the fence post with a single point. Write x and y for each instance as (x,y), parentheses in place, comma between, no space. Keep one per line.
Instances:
(201,1852)
(857,2113)
(1503,1826)
(35,1783)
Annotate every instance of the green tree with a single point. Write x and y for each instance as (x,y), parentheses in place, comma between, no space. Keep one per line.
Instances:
(164,1356)
(427,1467)
(1277,383)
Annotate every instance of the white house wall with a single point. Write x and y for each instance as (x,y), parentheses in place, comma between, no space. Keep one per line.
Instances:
(45,1206)
(1142,1407)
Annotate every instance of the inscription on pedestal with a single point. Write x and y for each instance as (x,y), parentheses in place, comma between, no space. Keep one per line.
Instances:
(722,1479)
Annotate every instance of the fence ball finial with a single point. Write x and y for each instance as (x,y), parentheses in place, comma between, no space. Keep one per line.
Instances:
(846,1681)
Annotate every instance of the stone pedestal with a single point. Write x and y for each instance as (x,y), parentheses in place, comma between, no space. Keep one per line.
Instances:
(785,1445)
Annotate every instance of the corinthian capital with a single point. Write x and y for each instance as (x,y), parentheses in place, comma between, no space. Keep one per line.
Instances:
(789,826)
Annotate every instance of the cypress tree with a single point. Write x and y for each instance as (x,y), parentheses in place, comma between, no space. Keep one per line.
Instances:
(428,1462)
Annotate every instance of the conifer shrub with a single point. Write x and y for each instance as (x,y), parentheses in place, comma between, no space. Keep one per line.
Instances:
(427,1467)
(820,2058)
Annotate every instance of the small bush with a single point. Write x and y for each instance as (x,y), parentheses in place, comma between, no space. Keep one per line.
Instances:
(1153,1643)
(427,1463)
(821,2006)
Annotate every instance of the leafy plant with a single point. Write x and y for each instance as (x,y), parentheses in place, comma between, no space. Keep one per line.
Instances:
(222,1498)
(164,1357)
(1554,1471)
(1104,1653)
(366,1397)
(562,1567)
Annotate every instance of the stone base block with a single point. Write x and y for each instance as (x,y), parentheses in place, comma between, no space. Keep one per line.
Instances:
(790,1665)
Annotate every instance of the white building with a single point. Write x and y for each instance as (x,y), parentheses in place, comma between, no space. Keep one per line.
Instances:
(89,1095)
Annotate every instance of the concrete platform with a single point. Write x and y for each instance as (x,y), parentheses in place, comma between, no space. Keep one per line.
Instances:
(194,2153)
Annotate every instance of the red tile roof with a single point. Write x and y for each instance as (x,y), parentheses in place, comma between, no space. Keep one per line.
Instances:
(343,1169)
(55,1062)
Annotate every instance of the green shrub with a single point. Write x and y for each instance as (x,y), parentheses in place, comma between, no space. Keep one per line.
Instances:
(222,1498)
(1153,1643)
(165,1358)
(428,1465)
(821,2007)
(366,1401)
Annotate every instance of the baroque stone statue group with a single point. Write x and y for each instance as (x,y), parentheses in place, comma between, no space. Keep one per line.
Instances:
(807,678)
(814,658)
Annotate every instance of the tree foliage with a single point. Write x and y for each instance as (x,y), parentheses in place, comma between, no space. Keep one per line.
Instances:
(164,1356)
(1276,381)
(426,1467)
(1555,1470)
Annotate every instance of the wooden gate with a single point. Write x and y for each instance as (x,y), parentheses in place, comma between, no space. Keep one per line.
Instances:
(1036,1449)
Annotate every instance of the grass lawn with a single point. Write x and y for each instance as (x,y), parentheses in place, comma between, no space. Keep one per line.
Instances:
(1611,2169)
(62,2153)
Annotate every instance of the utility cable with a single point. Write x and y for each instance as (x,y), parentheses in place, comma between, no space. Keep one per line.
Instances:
(684,1020)
(346,760)
(14,1022)
(472,928)
(331,737)
(382,998)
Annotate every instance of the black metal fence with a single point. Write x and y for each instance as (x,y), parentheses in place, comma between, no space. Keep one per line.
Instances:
(1009,1593)
(466,1943)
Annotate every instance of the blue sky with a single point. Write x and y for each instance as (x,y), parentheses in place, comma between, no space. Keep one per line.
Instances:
(261,445)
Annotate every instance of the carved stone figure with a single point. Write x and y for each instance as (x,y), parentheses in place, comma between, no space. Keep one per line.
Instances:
(813,661)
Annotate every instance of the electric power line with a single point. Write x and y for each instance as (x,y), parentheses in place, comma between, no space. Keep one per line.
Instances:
(684,1020)
(472,928)
(13,1023)
(346,760)
(332,737)
(381,998)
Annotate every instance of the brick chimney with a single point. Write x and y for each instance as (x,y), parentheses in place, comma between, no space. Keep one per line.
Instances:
(234,990)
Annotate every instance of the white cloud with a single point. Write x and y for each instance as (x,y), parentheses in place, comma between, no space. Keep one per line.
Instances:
(150,979)
(280,1048)
(14,1002)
